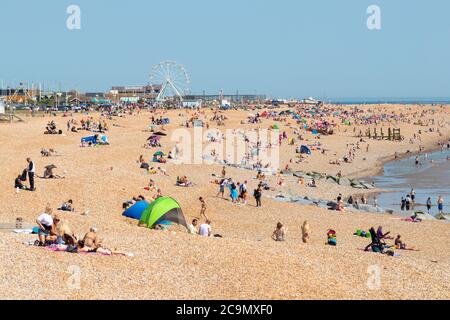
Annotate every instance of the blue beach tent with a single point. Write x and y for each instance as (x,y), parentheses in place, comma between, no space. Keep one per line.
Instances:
(135,211)
(305,150)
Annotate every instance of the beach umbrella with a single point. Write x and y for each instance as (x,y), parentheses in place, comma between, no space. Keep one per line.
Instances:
(159,154)
(50,167)
(159,133)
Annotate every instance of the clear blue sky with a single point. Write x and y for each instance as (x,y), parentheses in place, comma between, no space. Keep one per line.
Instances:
(284,48)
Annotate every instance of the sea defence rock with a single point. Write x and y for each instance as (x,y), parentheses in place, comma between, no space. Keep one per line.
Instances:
(301,175)
(343,181)
(332,205)
(442,216)
(425,216)
(369,208)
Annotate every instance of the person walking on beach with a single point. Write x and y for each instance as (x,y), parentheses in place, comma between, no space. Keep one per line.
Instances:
(31,171)
(428,204)
(233,192)
(440,205)
(258,194)
(243,192)
(203,208)
(222,185)
(403,204)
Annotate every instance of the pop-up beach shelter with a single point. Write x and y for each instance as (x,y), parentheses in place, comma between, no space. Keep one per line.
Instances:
(163,209)
(135,211)
(305,150)
(92,139)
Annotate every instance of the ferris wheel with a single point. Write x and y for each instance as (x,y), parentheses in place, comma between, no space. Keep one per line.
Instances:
(172,77)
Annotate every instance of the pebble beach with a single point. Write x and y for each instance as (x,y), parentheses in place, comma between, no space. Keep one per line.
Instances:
(246,263)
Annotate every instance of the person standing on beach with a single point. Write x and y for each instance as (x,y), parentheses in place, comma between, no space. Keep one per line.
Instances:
(224,172)
(413,197)
(440,205)
(258,194)
(222,185)
(429,204)
(31,171)
(243,192)
(408,202)
(305,232)
(403,204)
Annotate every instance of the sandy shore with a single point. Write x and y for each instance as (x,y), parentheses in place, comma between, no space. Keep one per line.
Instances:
(246,263)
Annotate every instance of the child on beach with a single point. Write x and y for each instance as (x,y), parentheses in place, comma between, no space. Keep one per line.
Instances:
(305,232)
(67,206)
(280,233)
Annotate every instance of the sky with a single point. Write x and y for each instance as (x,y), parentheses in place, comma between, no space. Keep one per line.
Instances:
(282,48)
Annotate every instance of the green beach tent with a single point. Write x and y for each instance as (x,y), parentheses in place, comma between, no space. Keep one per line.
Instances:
(163,209)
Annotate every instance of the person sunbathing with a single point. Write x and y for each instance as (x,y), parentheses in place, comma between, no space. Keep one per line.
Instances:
(183,182)
(91,240)
(45,153)
(48,174)
(67,206)
(65,234)
(81,247)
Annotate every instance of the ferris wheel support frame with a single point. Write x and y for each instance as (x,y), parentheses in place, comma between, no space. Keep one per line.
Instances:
(163,71)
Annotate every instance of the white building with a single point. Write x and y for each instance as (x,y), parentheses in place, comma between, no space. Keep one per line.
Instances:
(2,106)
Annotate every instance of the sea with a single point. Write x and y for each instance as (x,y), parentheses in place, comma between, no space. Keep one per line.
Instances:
(431,178)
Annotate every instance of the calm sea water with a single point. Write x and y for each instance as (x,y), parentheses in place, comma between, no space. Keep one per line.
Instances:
(429,179)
